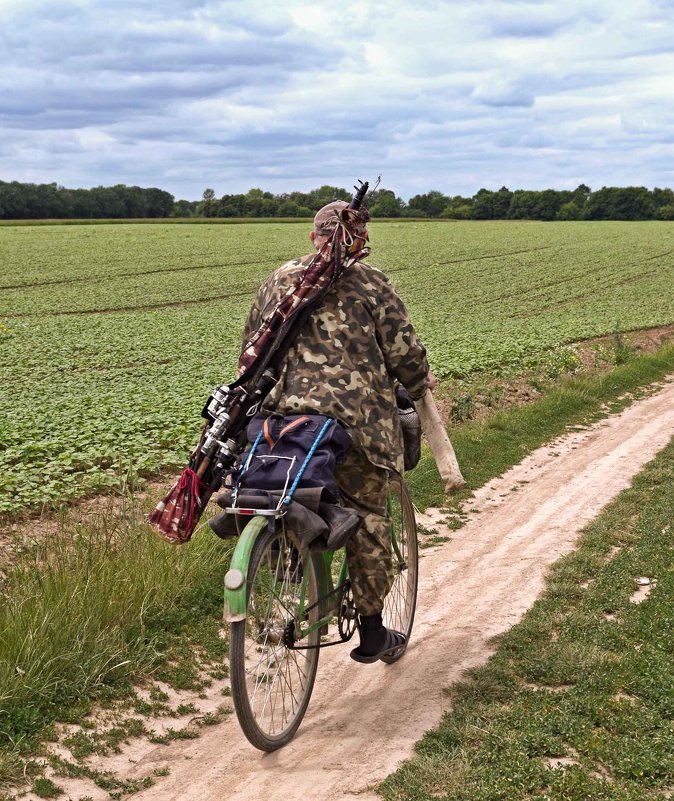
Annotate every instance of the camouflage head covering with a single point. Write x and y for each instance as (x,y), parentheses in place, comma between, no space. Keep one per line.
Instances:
(327,218)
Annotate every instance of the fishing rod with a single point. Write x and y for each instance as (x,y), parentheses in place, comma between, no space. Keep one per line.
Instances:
(230,407)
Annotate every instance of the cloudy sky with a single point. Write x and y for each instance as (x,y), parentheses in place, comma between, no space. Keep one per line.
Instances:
(185,94)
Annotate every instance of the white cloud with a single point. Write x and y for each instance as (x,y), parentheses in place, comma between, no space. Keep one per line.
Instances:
(433,94)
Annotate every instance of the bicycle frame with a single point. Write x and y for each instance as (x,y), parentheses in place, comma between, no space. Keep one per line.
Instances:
(235,596)
(282,605)
(328,598)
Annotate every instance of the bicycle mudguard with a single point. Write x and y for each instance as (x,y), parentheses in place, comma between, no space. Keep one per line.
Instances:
(235,578)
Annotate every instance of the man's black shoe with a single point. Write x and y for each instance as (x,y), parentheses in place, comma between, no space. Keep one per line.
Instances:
(376,640)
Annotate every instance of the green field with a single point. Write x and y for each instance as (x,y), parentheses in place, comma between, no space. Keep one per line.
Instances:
(117,333)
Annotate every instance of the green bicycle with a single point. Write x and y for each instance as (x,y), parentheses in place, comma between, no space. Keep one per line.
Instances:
(281,601)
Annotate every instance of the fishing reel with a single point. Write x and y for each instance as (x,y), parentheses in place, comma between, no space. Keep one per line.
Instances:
(228,410)
(216,402)
(217,442)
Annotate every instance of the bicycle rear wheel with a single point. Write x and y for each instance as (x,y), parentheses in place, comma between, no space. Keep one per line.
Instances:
(272,683)
(401,601)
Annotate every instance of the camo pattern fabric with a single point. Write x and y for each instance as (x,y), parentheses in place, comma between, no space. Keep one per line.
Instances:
(344,361)
(364,487)
(314,278)
(318,272)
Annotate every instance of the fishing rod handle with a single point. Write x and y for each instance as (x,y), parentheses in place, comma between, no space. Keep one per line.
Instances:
(359,195)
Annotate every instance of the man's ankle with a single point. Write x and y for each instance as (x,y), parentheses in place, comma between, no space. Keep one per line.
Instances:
(373,621)
(372,634)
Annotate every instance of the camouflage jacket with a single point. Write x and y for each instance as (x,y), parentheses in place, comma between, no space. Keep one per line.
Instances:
(346,358)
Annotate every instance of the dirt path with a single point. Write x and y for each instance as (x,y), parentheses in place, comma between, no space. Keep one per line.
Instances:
(364,719)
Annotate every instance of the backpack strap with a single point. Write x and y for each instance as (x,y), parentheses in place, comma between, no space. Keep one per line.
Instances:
(294,424)
(312,450)
(267,434)
(284,430)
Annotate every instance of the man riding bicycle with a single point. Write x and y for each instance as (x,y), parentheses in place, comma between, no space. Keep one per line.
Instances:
(344,363)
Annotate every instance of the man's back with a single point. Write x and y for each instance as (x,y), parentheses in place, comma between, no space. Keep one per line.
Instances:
(343,363)
(345,359)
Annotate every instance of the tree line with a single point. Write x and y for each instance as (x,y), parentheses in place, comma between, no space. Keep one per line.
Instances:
(45,201)
(608,203)
(49,201)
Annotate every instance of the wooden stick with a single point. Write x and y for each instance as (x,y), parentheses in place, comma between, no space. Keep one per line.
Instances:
(441,447)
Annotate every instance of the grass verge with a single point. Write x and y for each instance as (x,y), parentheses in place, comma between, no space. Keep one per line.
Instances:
(486,448)
(94,609)
(578,701)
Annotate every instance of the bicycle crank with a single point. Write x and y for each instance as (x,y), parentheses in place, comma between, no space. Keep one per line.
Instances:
(289,638)
(348,616)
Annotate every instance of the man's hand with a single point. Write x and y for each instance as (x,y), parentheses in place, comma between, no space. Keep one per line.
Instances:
(432,381)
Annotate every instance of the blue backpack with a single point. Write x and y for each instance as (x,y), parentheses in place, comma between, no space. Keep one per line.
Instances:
(293,451)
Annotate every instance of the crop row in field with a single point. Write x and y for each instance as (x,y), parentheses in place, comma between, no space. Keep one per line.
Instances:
(91,392)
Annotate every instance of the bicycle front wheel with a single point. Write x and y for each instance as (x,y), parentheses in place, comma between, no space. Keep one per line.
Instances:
(401,601)
(271,683)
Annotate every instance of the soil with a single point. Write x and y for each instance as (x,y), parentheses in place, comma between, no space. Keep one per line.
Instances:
(482,394)
(363,720)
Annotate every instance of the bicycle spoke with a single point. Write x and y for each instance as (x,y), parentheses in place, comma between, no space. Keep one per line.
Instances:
(400,602)
(276,681)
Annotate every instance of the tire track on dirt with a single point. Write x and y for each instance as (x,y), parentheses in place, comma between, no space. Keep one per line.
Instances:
(97,279)
(173,304)
(363,720)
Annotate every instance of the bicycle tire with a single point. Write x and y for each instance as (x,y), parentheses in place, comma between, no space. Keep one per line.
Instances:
(270,710)
(401,601)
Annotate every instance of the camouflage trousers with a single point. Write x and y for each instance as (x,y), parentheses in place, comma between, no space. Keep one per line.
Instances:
(364,487)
